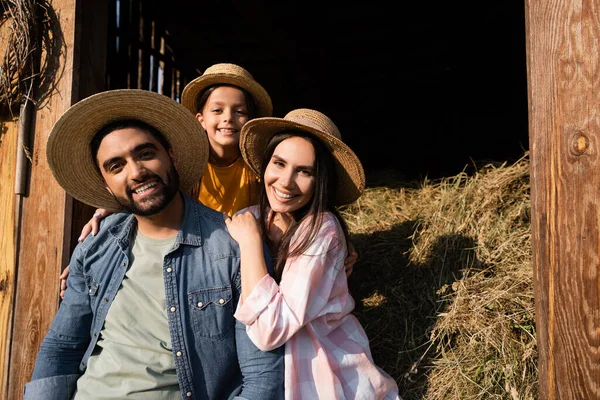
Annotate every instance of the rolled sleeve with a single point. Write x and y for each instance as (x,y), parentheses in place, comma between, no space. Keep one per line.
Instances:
(60,387)
(262,295)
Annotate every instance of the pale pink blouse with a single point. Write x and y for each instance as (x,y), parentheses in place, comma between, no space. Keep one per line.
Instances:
(327,354)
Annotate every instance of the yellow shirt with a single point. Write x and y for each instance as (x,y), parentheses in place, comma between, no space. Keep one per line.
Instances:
(227,189)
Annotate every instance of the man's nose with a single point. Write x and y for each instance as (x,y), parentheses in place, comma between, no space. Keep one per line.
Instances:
(137,170)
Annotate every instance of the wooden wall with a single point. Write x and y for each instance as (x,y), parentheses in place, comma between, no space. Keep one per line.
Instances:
(563,58)
(45,230)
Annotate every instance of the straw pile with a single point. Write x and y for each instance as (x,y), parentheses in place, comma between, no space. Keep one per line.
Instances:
(444,284)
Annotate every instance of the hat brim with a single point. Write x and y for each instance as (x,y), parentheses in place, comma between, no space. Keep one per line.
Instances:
(68,147)
(257,133)
(198,85)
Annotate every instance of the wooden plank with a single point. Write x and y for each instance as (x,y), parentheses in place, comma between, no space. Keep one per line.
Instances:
(45,230)
(8,150)
(564,125)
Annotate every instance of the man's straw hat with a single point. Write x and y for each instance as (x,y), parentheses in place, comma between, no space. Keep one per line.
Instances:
(257,133)
(229,74)
(68,148)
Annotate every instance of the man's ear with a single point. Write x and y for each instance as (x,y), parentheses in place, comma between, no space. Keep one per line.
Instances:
(107,188)
(172,156)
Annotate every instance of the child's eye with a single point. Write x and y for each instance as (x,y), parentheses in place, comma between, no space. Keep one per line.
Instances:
(242,112)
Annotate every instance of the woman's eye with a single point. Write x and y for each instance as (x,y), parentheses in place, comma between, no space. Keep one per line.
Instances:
(305,172)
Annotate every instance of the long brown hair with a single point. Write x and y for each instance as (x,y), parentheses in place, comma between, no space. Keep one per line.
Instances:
(322,201)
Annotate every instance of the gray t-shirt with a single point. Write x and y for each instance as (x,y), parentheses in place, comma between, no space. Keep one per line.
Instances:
(133,358)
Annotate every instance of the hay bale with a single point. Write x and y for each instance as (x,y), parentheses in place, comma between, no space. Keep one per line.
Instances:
(444,284)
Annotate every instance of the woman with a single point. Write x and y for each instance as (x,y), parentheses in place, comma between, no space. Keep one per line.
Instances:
(306,172)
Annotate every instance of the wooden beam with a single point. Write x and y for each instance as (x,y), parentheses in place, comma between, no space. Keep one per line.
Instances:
(563,53)
(8,151)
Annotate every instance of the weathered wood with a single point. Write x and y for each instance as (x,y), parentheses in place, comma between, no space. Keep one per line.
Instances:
(8,150)
(45,224)
(564,105)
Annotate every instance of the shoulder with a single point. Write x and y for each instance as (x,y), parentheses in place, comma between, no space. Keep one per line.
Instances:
(111,228)
(210,226)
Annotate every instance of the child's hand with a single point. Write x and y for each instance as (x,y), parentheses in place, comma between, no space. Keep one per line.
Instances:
(93,224)
(243,228)
(63,281)
(350,259)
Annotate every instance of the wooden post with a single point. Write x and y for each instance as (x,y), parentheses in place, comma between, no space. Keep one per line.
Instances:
(563,62)
(8,151)
(45,234)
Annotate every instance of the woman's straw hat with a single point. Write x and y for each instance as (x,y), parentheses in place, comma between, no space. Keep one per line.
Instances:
(68,148)
(229,74)
(257,133)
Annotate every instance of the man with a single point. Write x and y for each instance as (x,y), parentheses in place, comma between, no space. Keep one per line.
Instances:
(148,313)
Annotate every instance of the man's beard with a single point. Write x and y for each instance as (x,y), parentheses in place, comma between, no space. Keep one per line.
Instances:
(158,201)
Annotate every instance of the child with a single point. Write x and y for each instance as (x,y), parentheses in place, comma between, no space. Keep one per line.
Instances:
(306,172)
(223,99)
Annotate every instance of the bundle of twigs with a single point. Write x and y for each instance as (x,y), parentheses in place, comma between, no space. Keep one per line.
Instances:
(17,70)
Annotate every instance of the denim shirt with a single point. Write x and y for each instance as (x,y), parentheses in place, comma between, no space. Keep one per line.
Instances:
(214,357)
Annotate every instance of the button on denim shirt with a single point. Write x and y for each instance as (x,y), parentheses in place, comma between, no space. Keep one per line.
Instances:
(214,357)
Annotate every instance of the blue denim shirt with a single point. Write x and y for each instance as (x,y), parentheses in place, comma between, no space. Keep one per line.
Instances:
(214,357)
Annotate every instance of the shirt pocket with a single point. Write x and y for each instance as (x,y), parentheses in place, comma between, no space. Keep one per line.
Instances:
(212,312)
(92,288)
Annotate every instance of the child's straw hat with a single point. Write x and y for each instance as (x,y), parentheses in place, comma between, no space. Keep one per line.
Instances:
(257,133)
(230,74)
(68,147)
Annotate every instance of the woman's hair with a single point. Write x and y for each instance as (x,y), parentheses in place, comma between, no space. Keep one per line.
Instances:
(321,201)
(203,97)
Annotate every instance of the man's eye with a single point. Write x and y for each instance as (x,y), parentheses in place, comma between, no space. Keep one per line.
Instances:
(113,168)
(145,155)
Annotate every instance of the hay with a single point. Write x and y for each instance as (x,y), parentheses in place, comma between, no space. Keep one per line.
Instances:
(444,284)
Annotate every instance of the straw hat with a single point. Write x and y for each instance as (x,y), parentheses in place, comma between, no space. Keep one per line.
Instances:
(68,147)
(230,74)
(257,133)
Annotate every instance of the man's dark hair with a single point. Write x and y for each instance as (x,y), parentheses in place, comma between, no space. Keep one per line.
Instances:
(124,124)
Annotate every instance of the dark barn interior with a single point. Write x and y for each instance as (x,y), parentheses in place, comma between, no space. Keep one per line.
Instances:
(421,89)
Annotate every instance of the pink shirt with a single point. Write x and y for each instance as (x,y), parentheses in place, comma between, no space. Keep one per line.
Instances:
(327,354)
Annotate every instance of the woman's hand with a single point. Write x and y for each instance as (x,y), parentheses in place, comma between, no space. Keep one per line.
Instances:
(93,224)
(243,228)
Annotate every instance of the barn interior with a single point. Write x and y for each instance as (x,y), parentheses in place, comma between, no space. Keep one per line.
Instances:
(418,89)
